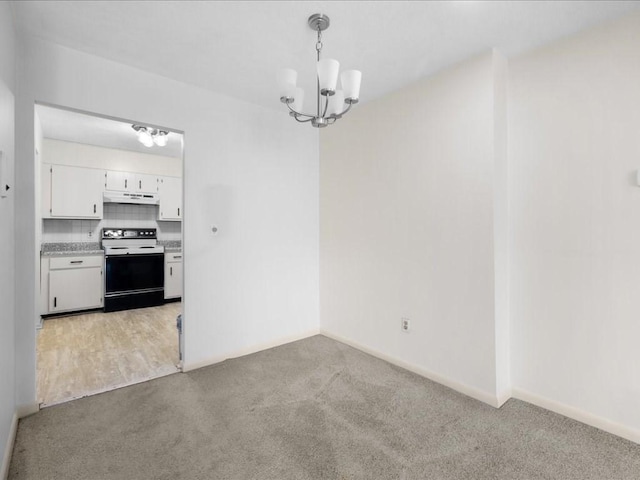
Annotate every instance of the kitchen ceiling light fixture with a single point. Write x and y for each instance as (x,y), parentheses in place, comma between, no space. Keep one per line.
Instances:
(151,136)
(331,104)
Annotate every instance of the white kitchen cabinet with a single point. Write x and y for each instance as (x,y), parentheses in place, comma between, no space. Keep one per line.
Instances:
(115,181)
(76,192)
(45,183)
(130,182)
(72,283)
(145,183)
(170,189)
(173,275)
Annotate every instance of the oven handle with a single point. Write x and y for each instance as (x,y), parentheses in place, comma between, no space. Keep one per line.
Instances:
(132,292)
(134,255)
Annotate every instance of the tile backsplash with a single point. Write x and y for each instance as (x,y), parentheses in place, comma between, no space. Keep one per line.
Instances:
(115,215)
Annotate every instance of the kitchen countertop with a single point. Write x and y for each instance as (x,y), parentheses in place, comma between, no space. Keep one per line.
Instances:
(70,248)
(171,245)
(93,248)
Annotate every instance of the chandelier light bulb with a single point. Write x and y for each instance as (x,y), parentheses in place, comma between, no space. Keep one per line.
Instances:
(287,79)
(161,138)
(298,99)
(144,137)
(351,85)
(328,69)
(336,103)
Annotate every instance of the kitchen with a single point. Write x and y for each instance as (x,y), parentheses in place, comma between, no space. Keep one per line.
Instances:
(110,233)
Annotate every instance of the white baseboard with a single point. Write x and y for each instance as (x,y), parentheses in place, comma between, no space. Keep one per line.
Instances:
(6,458)
(468,390)
(27,409)
(580,415)
(188,366)
(504,396)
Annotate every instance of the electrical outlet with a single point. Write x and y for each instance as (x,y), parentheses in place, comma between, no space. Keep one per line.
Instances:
(404,324)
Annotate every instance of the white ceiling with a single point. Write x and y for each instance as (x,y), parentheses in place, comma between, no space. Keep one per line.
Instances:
(237,47)
(78,127)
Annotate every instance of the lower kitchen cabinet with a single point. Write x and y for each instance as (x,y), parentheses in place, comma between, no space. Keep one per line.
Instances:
(173,275)
(71,283)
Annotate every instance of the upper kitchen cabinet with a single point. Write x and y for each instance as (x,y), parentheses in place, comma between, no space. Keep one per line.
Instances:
(130,182)
(170,189)
(145,183)
(118,181)
(73,192)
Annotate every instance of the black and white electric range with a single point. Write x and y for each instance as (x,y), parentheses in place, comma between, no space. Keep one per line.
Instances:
(134,268)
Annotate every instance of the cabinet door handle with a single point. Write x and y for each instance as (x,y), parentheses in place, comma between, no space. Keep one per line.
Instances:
(140,184)
(55,302)
(177,256)
(94,208)
(125,183)
(178,211)
(76,261)
(171,271)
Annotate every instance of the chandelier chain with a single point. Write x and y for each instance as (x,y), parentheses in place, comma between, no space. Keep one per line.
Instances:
(319,42)
(318,49)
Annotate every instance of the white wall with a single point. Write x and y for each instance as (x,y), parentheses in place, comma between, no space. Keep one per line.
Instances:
(7,47)
(407,227)
(7,246)
(91,156)
(575,214)
(38,142)
(501,227)
(249,170)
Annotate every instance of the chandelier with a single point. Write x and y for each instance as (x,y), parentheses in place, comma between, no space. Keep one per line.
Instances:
(151,136)
(331,104)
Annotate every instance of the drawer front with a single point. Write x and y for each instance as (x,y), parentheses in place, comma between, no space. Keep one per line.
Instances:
(60,263)
(174,257)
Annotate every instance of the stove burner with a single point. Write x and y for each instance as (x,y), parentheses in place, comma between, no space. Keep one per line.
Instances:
(126,241)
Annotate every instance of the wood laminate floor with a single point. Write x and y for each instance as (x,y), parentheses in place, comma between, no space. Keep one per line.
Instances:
(81,355)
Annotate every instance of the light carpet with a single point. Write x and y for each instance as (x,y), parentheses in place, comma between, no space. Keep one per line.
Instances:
(312,409)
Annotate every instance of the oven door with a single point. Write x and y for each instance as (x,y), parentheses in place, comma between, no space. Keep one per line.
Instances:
(131,273)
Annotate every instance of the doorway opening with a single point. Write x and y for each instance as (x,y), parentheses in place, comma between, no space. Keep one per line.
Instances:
(109,224)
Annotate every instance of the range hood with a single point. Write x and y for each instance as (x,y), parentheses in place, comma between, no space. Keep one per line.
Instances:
(137,198)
